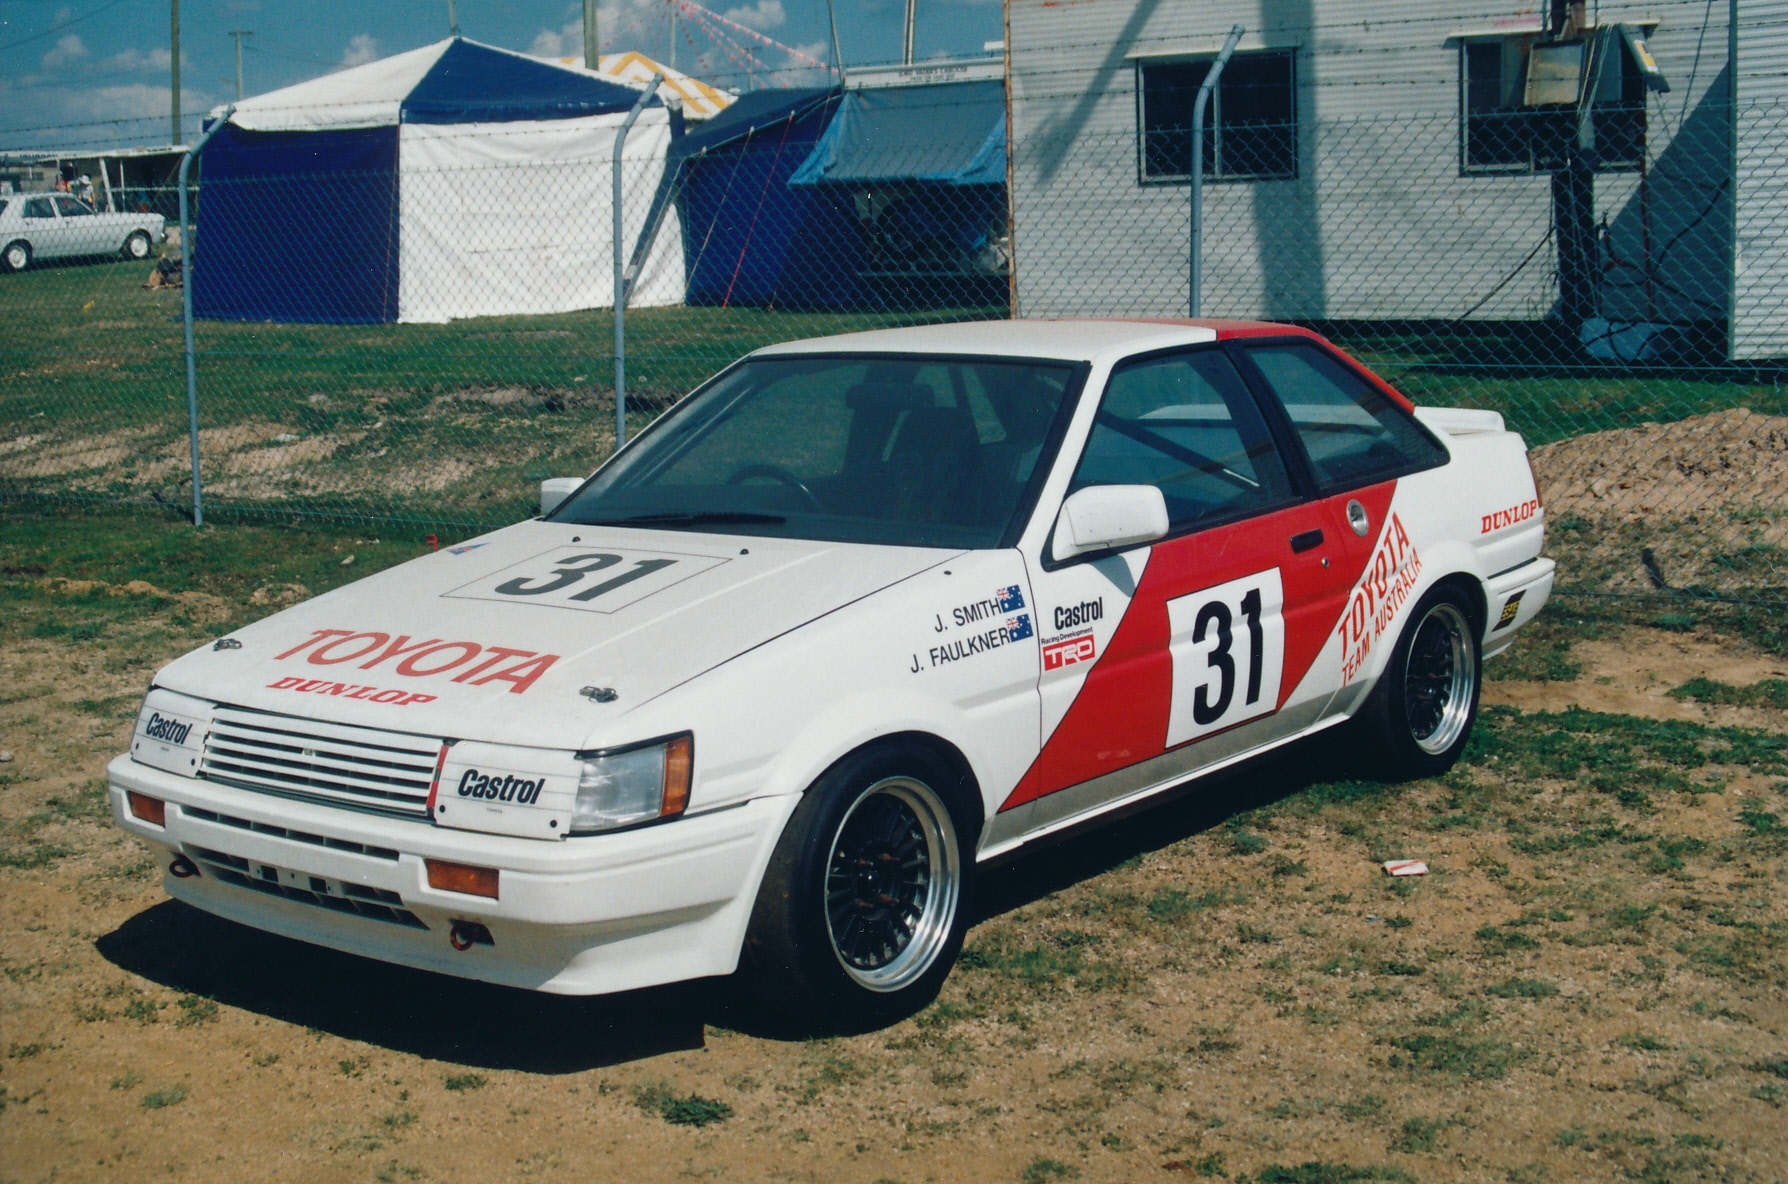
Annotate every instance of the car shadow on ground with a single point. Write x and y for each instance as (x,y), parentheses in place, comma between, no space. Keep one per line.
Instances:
(474,1024)
(1162,821)
(430,1015)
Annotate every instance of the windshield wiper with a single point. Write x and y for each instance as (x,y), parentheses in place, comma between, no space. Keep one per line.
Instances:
(693,518)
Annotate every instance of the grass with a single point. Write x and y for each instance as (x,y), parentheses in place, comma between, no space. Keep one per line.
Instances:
(680,1109)
(376,410)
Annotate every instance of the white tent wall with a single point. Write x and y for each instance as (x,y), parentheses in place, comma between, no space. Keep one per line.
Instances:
(517,218)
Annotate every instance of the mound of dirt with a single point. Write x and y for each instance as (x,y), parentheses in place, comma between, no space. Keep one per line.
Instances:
(1705,465)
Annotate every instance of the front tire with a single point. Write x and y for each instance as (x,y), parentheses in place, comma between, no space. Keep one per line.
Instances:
(16,257)
(137,245)
(865,902)
(1419,717)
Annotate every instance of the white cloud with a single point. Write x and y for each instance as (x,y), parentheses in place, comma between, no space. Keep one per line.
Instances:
(135,59)
(68,49)
(362,48)
(132,103)
(765,14)
(64,15)
(566,43)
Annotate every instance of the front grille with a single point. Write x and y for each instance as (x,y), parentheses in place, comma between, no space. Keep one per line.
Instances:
(365,768)
(376,904)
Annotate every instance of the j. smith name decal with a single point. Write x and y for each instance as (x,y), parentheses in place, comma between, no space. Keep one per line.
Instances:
(431,657)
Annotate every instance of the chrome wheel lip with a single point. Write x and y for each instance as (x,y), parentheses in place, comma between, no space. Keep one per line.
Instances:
(930,933)
(1445,665)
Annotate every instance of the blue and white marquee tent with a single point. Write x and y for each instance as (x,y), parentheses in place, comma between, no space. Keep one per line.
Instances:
(456,180)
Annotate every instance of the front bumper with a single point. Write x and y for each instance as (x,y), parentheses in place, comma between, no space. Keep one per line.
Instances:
(580,916)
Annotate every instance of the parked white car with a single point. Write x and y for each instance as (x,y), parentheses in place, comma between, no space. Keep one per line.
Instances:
(857,616)
(58,226)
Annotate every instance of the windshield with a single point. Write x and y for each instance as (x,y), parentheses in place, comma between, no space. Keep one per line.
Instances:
(911,451)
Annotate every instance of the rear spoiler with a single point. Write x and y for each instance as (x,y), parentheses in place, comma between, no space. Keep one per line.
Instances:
(1460,421)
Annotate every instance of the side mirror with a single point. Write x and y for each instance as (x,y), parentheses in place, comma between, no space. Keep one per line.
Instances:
(1100,517)
(554,490)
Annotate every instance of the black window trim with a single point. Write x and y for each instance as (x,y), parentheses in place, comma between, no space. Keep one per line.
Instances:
(1532,168)
(1144,178)
(1276,415)
(1302,489)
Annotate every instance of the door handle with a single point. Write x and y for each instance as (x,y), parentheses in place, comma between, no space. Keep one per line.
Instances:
(1305,541)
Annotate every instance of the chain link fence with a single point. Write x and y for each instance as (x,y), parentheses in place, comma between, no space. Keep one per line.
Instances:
(417,335)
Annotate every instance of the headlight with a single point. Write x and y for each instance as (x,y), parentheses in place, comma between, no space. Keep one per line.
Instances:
(633,785)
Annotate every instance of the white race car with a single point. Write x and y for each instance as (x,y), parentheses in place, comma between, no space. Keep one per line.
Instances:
(853,618)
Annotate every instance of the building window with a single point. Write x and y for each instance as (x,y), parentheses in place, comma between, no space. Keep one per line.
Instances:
(1521,98)
(1251,127)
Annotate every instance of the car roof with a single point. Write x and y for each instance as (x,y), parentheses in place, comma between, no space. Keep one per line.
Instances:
(1072,340)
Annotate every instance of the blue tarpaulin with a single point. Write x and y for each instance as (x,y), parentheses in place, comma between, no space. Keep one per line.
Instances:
(950,133)
(298,226)
(750,238)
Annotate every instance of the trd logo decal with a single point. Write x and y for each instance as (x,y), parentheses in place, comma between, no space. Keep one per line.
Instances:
(1068,652)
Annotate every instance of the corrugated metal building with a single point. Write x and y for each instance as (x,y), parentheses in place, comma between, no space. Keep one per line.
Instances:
(1760,169)
(1371,160)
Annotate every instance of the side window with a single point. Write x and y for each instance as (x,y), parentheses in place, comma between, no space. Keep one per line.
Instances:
(39,207)
(1352,431)
(1187,425)
(70,207)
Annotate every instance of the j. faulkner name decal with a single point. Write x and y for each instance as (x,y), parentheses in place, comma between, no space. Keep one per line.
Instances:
(1015,629)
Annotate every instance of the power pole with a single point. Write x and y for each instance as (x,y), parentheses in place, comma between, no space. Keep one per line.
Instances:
(239,34)
(592,42)
(174,86)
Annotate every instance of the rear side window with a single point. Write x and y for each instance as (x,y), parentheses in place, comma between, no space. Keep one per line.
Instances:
(1187,425)
(1353,432)
(39,207)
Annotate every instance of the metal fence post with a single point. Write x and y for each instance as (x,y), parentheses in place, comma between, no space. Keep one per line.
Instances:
(1196,274)
(186,257)
(620,271)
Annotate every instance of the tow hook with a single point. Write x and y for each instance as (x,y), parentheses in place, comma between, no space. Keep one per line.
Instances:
(466,934)
(183,868)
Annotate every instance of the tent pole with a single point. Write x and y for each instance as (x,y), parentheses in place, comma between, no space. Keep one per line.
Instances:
(1195,277)
(192,374)
(646,96)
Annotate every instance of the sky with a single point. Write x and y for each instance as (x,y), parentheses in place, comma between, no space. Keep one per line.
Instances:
(94,74)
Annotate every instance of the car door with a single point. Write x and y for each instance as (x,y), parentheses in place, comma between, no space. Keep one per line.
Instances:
(43,229)
(1355,442)
(85,230)
(1161,660)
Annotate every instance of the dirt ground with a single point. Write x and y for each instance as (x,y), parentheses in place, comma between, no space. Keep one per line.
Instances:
(1589,985)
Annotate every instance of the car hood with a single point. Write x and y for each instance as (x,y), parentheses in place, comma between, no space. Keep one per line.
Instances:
(503,637)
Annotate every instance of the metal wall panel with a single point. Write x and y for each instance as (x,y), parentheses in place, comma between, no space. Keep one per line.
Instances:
(1760,213)
(1379,223)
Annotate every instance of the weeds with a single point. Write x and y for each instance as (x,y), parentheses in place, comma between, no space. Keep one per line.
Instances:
(690,1109)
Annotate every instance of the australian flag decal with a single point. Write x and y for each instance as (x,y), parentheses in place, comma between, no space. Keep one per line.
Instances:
(1009,599)
(1018,628)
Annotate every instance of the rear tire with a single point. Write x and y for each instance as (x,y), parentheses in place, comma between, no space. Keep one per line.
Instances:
(865,902)
(137,246)
(1419,717)
(16,257)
